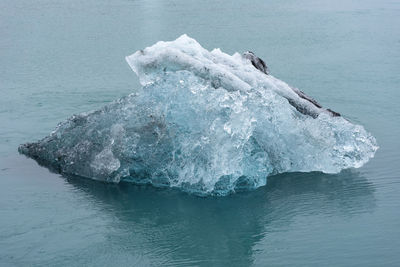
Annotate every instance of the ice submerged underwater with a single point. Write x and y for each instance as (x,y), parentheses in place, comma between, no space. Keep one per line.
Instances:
(205,122)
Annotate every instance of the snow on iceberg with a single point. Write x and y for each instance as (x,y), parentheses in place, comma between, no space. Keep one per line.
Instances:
(205,122)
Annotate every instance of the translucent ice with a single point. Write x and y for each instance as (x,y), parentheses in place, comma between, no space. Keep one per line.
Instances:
(205,122)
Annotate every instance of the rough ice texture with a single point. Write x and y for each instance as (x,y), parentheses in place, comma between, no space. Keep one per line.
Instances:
(205,122)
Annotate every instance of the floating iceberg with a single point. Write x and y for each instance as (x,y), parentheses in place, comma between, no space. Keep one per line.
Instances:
(205,122)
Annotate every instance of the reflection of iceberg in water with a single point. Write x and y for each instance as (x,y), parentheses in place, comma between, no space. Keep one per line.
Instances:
(205,122)
(213,231)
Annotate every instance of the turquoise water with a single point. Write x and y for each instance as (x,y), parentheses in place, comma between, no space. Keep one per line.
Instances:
(63,57)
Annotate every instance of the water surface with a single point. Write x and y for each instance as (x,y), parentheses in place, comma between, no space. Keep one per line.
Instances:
(63,57)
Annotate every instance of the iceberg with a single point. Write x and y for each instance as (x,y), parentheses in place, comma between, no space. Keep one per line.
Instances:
(205,122)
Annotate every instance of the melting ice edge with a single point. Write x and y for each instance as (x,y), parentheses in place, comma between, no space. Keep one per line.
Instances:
(205,122)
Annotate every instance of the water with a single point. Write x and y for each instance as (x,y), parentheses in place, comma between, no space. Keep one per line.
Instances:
(65,57)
